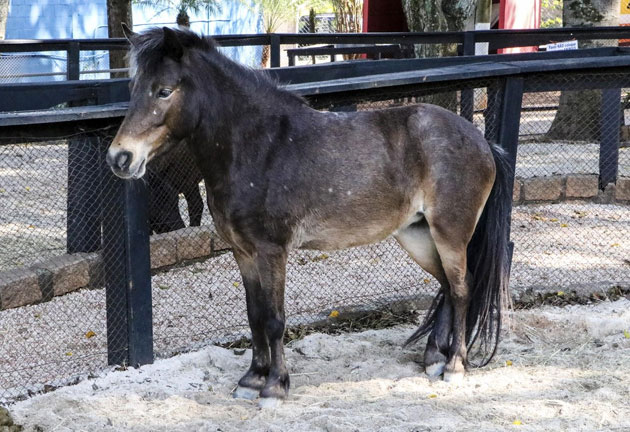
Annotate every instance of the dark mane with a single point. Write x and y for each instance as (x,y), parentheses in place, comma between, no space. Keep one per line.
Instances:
(148,50)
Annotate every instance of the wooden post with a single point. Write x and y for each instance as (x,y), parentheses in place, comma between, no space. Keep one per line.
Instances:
(83,225)
(127,267)
(274,50)
(610,124)
(73,71)
(467,97)
(508,130)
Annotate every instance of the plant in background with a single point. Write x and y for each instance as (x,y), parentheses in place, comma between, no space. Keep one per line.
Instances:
(551,13)
(183,8)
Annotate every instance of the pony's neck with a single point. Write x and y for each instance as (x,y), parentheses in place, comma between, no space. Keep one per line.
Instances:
(241,114)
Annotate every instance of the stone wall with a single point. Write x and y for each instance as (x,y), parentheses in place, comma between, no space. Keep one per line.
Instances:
(569,187)
(60,275)
(66,273)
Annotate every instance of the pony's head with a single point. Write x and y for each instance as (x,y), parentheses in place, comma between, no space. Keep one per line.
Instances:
(160,111)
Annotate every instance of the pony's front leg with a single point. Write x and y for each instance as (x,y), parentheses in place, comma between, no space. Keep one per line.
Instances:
(250,385)
(272,261)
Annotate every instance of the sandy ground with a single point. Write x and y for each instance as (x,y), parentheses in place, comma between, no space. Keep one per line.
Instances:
(558,369)
(204,302)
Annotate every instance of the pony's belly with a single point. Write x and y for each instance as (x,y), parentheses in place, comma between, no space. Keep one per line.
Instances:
(333,238)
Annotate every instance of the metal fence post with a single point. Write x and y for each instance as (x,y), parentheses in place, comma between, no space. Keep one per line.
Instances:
(610,124)
(127,267)
(274,42)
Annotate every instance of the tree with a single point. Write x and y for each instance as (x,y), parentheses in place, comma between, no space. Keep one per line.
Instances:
(183,8)
(274,13)
(4,13)
(118,12)
(438,16)
(348,15)
(576,106)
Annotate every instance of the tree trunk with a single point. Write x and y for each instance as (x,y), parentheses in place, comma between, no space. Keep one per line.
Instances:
(118,12)
(578,113)
(438,16)
(266,52)
(183,20)
(4,13)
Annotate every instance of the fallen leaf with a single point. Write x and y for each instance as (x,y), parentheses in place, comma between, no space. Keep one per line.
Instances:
(564,225)
(163,287)
(626,334)
(320,257)
(432,396)
(334,314)
(615,245)
(553,220)
(427,280)
(236,284)
(508,363)
(560,293)
(68,353)
(517,423)
(90,334)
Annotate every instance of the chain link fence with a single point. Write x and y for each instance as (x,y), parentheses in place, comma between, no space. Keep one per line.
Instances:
(54,316)
(41,66)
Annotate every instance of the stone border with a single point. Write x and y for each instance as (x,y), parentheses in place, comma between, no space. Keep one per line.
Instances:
(569,187)
(67,273)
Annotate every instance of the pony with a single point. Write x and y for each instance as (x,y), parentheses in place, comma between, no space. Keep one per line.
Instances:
(167,176)
(281,175)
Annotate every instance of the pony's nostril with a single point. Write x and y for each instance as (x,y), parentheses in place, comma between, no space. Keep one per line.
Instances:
(123,160)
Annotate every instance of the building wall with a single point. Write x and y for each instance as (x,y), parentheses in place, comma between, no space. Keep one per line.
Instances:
(87,19)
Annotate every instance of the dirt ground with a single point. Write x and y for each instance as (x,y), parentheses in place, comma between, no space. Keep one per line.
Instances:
(558,369)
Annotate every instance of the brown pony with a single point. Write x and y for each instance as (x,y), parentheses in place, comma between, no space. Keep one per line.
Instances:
(281,175)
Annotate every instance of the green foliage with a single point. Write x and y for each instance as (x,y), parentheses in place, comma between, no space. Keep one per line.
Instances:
(275,12)
(551,13)
(182,6)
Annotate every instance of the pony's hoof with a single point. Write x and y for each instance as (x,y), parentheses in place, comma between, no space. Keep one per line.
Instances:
(434,370)
(454,377)
(269,402)
(245,393)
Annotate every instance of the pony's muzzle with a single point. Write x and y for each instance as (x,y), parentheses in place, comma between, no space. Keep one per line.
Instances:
(123,164)
(122,161)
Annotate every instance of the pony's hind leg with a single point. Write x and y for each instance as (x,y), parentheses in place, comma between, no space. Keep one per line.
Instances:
(250,385)
(416,239)
(451,241)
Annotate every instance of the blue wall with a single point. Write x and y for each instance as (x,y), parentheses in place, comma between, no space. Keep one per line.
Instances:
(78,19)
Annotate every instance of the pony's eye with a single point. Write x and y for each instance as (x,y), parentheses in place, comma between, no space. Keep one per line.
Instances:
(164,93)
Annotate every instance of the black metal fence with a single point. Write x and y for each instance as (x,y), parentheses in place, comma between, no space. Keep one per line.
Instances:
(85,58)
(83,284)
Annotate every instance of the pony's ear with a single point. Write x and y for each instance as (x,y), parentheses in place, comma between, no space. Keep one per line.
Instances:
(172,46)
(129,34)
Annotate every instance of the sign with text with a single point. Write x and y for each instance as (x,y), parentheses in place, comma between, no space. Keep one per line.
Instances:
(563,46)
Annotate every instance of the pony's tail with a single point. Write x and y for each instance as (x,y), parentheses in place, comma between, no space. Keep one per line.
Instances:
(488,259)
(489,267)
